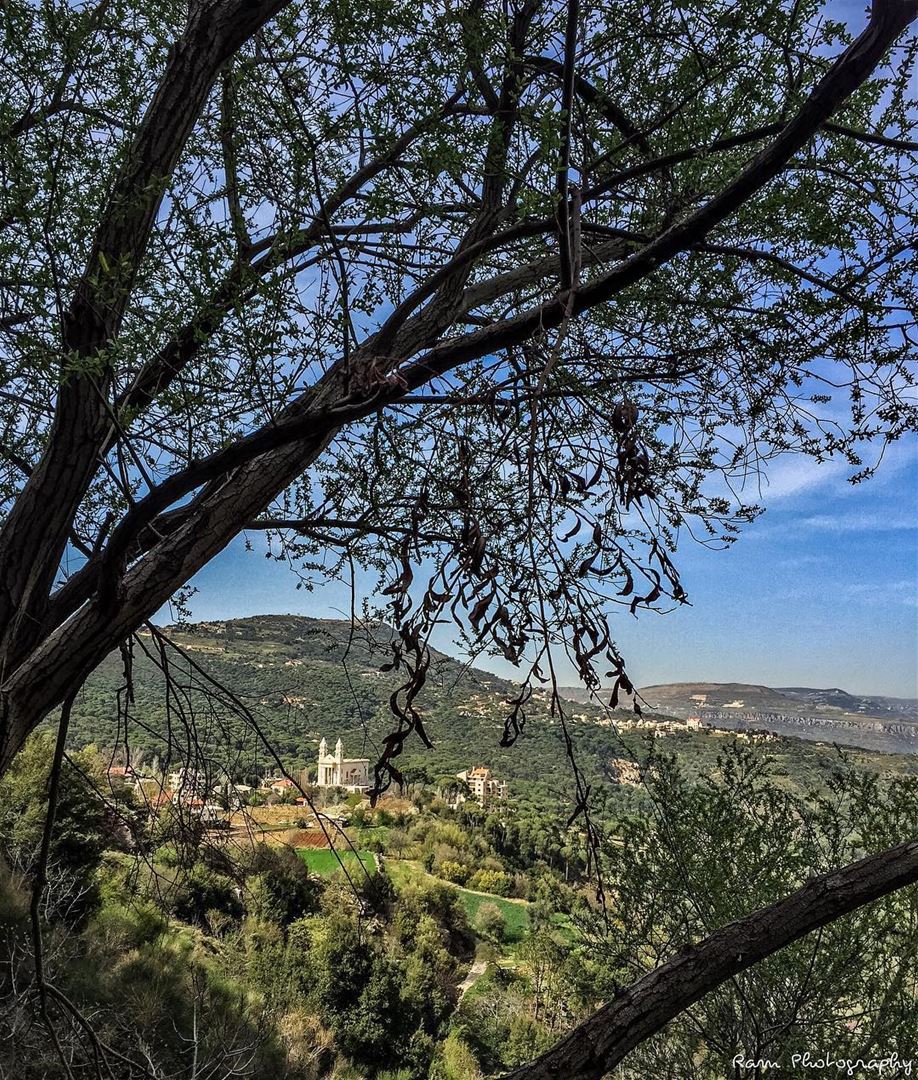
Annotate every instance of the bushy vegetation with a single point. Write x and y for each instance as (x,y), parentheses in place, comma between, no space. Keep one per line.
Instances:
(251,957)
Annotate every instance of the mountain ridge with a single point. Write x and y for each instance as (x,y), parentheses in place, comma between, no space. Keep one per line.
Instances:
(832,697)
(304,677)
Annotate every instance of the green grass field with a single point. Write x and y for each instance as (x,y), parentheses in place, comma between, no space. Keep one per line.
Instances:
(324,862)
(515,912)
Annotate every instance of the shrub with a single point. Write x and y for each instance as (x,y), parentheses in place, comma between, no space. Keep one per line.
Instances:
(202,890)
(436,899)
(454,871)
(126,926)
(309,1046)
(527,1039)
(398,843)
(489,922)
(520,886)
(492,881)
(455,1061)
(280,888)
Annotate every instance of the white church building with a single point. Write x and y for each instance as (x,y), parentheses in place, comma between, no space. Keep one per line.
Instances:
(335,770)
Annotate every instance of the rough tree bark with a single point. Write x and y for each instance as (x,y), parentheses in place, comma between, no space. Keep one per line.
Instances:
(36,531)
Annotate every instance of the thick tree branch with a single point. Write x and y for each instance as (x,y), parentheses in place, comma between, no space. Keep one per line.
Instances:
(594,1048)
(35,533)
(749,254)
(240,283)
(427,326)
(231,161)
(872,138)
(164,368)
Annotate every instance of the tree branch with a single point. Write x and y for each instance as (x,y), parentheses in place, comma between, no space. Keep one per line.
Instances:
(35,533)
(594,1048)
(162,370)
(850,70)
(587,92)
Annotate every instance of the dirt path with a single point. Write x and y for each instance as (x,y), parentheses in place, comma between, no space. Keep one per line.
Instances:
(475,972)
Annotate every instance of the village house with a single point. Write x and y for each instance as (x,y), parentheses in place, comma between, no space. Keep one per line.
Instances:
(483,785)
(127,774)
(280,785)
(235,795)
(189,783)
(183,791)
(335,770)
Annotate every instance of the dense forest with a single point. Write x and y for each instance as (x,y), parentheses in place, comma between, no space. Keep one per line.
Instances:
(446,942)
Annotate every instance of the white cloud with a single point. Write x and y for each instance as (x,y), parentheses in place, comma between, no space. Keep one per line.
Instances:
(859,522)
(796,475)
(884,592)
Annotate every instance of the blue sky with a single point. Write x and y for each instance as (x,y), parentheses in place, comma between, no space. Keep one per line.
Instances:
(821,591)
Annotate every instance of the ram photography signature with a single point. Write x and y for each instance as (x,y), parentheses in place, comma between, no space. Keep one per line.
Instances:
(888,1065)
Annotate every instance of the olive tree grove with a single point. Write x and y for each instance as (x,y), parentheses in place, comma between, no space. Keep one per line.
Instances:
(501,301)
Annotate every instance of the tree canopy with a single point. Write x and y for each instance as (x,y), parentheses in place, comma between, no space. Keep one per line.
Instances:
(525,294)
(501,301)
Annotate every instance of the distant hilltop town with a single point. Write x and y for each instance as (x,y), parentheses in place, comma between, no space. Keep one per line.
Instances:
(212,795)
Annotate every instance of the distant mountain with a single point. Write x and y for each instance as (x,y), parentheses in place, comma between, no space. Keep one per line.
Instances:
(682,699)
(863,704)
(685,699)
(831,715)
(303,678)
(578,694)
(678,698)
(832,696)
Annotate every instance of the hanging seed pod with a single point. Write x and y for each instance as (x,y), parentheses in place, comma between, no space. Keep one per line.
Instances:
(624,417)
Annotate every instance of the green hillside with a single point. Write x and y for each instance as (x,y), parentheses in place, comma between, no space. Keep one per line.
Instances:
(303,678)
